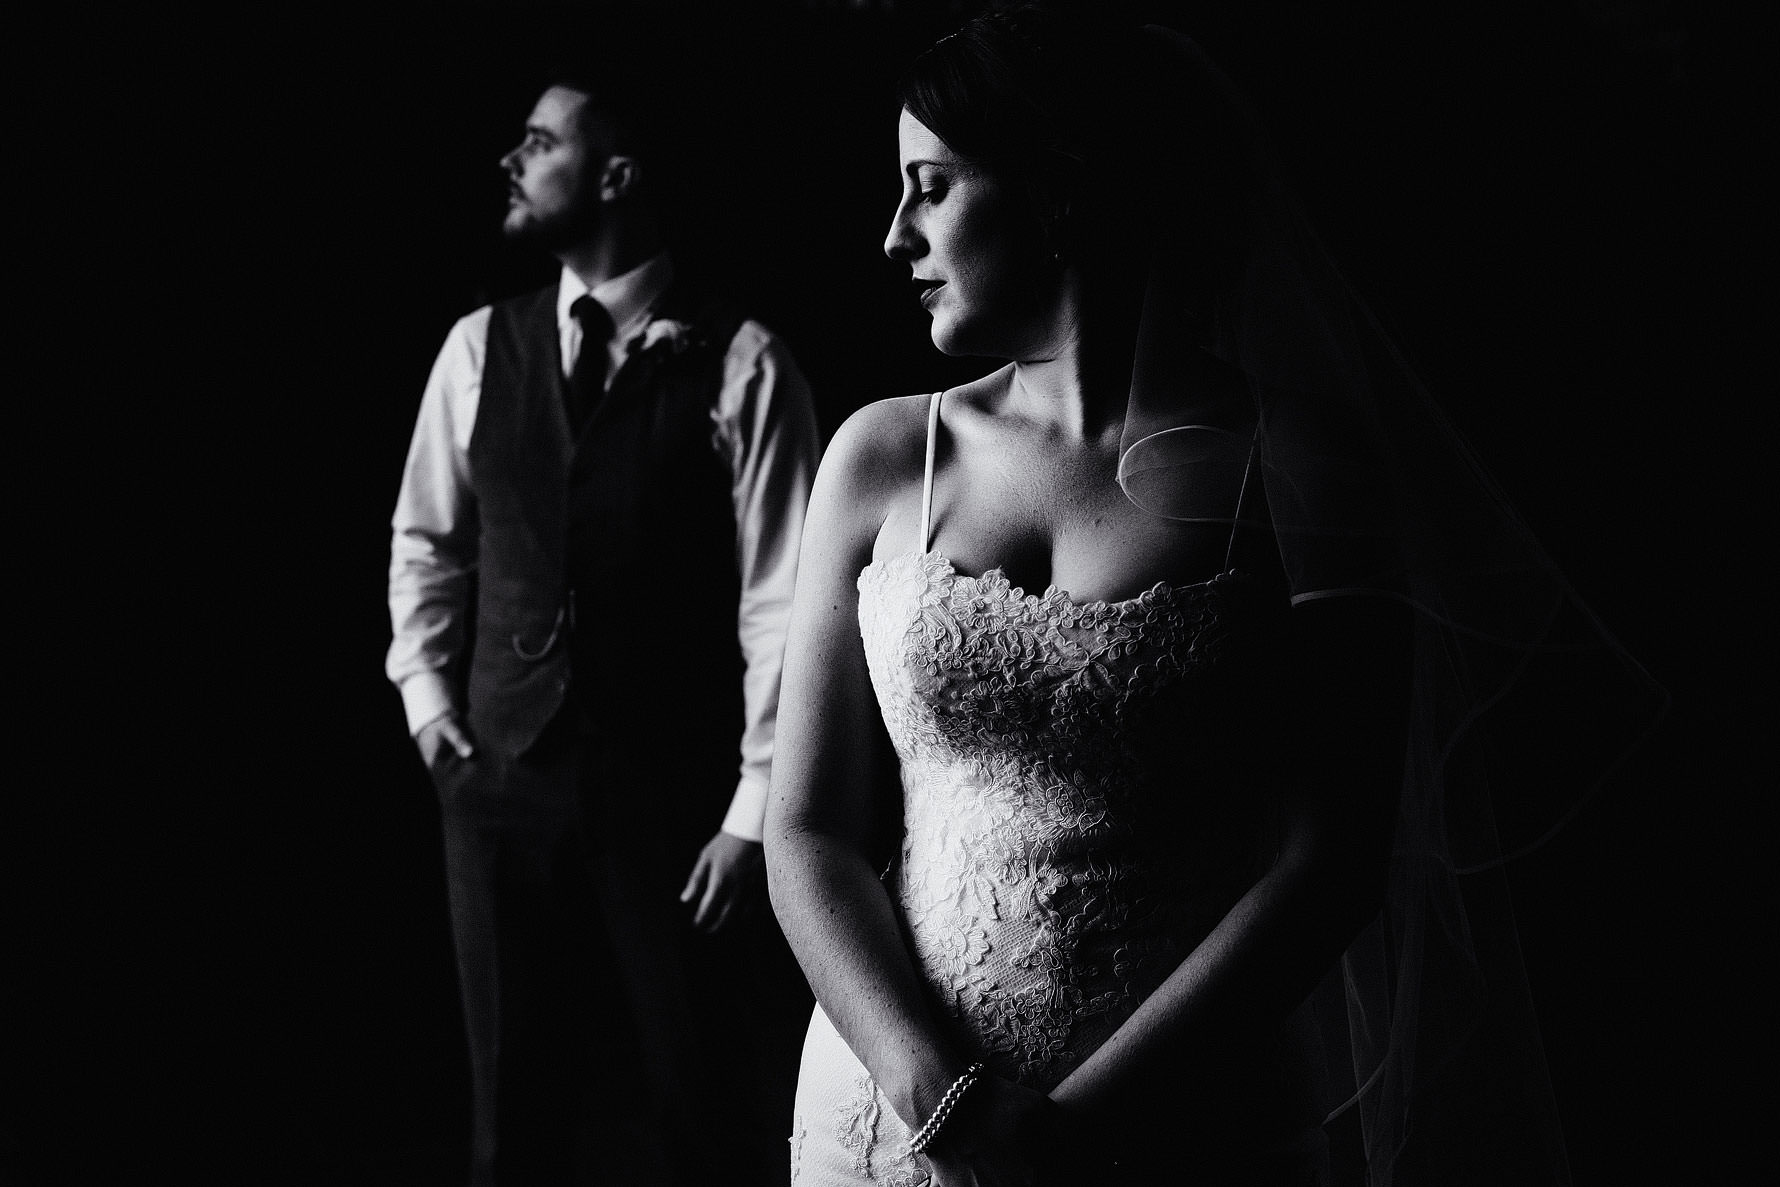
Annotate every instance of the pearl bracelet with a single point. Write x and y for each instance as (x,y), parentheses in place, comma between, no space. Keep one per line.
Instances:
(925,1135)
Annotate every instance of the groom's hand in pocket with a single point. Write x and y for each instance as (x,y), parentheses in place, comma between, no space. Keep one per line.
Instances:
(726,881)
(443,732)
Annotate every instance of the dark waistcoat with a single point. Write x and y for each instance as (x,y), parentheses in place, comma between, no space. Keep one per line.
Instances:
(607,575)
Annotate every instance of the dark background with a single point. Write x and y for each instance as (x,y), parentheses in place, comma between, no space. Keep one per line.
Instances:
(228,958)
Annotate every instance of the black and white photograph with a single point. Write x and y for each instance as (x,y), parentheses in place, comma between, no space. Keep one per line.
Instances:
(892,593)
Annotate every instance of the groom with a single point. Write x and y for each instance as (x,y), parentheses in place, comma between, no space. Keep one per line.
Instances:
(592,558)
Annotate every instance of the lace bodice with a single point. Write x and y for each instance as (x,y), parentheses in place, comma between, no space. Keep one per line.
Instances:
(1085,791)
(1073,824)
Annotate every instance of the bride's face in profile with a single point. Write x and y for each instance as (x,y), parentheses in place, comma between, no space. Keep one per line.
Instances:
(976,255)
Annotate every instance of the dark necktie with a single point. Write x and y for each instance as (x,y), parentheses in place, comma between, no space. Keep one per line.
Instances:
(588,380)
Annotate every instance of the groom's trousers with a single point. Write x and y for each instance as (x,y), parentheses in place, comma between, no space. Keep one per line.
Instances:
(609,1041)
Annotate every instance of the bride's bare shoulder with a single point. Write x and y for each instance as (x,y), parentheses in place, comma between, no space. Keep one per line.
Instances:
(900,423)
(880,445)
(889,421)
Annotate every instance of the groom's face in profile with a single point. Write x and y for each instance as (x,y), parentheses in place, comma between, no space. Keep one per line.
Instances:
(553,174)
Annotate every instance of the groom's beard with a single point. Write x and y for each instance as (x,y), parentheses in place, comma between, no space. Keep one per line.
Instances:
(549,230)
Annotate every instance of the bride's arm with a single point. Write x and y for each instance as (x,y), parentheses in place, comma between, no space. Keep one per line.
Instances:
(826,772)
(1324,882)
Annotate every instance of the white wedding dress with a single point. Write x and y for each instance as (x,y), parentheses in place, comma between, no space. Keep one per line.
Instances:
(1078,813)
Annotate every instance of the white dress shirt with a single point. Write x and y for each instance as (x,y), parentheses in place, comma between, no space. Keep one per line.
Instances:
(763,425)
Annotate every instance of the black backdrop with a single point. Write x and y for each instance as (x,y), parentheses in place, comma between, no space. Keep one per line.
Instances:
(229,957)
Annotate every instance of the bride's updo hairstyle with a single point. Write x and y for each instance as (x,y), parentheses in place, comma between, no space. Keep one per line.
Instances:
(1118,153)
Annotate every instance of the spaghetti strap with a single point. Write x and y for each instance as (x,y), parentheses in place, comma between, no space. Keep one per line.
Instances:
(927,476)
(1241,494)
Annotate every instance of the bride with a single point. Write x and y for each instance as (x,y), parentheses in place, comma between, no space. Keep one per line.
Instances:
(1144,632)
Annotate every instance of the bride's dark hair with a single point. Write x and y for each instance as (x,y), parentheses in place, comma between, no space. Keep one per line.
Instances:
(1114,155)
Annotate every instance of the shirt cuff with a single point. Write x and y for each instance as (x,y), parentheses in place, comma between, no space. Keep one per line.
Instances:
(747,811)
(426,696)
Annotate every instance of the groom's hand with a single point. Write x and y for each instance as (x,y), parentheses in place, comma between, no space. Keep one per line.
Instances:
(725,881)
(442,731)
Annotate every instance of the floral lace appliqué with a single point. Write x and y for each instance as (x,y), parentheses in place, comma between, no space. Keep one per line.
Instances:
(1040,904)
(877,1158)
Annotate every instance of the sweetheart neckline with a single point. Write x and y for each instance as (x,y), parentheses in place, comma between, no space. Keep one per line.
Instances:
(1160,589)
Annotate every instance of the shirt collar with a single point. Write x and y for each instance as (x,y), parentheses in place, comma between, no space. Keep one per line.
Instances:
(628,297)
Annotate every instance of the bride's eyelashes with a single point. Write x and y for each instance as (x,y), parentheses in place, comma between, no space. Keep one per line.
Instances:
(929,188)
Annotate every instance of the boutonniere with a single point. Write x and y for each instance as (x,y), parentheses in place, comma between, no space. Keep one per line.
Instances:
(667,336)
